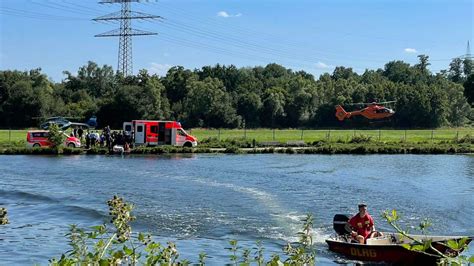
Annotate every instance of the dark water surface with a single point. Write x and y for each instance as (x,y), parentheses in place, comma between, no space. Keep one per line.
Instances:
(202,201)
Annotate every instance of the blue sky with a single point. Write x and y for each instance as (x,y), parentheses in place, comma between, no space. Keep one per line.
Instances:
(312,35)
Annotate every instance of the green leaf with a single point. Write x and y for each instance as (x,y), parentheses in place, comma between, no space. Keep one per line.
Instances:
(100,243)
(394,214)
(471,259)
(462,242)
(118,255)
(453,244)
(426,245)
(97,228)
(419,247)
(127,250)
(141,237)
(407,246)
(104,262)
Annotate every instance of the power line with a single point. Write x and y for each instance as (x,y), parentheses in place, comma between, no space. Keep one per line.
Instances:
(275,40)
(125,32)
(57,6)
(252,55)
(34,15)
(273,52)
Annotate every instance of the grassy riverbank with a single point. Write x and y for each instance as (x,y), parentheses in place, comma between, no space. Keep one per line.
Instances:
(307,135)
(440,141)
(318,148)
(333,135)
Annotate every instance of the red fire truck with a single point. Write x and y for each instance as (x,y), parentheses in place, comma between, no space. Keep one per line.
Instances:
(153,133)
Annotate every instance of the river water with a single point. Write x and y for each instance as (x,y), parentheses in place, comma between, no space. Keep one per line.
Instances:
(202,201)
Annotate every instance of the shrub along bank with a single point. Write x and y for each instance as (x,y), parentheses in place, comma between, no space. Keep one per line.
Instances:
(318,147)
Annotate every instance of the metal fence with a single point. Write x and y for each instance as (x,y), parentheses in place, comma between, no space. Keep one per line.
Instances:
(307,135)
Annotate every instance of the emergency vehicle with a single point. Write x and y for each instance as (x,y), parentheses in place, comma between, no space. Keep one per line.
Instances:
(39,138)
(153,133)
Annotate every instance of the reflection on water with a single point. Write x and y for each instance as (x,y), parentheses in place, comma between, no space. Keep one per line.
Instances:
(202,201)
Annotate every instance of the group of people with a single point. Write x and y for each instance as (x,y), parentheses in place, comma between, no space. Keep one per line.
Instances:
(107,138)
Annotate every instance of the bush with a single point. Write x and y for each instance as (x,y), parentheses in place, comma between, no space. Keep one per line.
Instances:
(466,139)
(56,137)
(233,149)
(361,139)
(118,245)
(214,142)
(96,150)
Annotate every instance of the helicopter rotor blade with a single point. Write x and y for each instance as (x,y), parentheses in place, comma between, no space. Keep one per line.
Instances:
(387,102)
(351,104)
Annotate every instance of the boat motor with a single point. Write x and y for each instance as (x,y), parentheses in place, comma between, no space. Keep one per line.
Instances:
(340,224)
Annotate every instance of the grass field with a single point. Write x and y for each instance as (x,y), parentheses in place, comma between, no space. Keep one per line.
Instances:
(333,135)
(284,135)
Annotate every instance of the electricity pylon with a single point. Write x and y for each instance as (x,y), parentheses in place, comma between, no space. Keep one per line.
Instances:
(125,33)
(468,52)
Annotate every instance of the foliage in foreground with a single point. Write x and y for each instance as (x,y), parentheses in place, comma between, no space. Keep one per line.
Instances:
(426,246)
(56,137)
(3,216)
(118,245)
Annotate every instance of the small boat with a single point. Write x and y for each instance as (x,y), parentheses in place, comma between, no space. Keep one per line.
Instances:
(119,149)
(389,247)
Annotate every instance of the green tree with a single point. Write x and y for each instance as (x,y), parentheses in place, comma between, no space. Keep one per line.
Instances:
(455,70)
(300,92)
(175,83)
(207,105)
(249,106)
(458,110)
(422,66)
(274,106)
(97,81)
(468,67)
(341,72)
(22,105)
(398,71)
(469,89)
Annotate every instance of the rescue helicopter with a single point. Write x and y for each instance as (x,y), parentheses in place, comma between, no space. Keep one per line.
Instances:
(372,111)
(65,123)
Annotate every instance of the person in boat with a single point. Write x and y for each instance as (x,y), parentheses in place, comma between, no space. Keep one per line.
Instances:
(362,225)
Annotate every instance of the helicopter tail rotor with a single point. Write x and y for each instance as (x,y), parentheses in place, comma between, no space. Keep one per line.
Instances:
(341,114)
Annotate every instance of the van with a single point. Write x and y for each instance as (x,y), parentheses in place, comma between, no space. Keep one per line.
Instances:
(155,133)
(39,138)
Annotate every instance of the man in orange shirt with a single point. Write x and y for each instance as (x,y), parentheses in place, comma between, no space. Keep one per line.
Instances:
(363,224)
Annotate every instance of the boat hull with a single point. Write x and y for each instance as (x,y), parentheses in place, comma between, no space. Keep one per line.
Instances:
(392,253)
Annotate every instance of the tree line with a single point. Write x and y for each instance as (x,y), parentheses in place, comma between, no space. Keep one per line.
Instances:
(229,97)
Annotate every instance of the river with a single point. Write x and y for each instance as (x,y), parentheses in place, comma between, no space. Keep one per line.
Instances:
(202,201)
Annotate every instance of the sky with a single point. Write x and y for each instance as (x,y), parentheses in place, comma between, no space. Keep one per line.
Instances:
(310,35)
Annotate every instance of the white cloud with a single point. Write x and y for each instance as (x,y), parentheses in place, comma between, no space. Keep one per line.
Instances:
(159,69)
(321,65)
(224,14)
(410,50)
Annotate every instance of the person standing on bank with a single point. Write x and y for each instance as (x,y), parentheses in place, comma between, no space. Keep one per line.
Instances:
(363,225)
